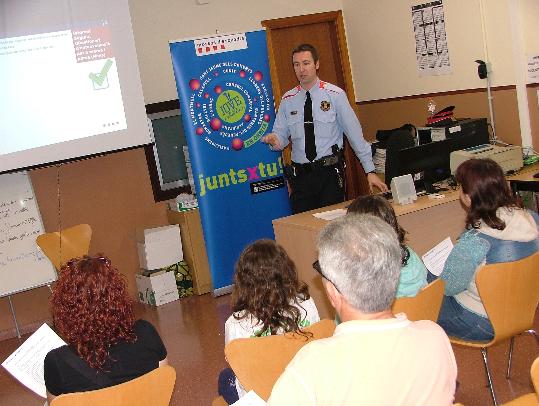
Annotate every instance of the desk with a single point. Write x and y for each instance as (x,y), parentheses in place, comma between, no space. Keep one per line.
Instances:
(427,222)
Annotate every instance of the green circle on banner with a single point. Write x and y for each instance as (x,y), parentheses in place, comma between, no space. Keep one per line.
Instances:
(230,106)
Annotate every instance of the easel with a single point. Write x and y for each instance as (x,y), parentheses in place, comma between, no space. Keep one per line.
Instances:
(12,308)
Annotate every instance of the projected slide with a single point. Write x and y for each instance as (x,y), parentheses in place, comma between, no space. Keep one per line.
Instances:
(58,86)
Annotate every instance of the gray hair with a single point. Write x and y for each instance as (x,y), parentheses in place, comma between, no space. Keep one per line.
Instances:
(361,256)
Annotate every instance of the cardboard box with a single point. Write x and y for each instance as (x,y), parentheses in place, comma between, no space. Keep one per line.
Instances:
(157,289)
(159,247)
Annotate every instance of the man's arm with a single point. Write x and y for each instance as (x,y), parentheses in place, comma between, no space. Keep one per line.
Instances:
(347,118)
(278,138)
(463,260)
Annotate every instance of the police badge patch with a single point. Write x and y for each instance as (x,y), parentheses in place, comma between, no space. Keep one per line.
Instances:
(325,105)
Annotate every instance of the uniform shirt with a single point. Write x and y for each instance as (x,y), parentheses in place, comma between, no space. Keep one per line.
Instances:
(372,362)
(332,115)
(66,372)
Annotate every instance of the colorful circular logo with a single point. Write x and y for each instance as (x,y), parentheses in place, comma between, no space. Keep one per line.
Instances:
(230,106)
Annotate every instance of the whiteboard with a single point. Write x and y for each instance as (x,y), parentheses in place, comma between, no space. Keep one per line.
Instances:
(23,265)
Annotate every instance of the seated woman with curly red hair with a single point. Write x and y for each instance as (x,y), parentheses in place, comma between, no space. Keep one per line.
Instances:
(93,312)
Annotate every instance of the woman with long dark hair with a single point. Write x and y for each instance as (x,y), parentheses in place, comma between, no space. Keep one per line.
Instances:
(497,230)
(267,299)
(93,313)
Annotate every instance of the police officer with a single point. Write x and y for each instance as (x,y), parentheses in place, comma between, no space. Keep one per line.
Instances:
(314,115)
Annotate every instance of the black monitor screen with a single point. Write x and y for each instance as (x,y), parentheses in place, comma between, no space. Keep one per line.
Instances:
(431,160)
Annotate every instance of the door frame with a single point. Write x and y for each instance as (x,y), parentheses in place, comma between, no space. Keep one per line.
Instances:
(335,17)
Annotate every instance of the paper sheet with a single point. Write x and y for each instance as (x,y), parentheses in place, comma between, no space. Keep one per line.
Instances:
(435,258)
(250,399)
(330,215)
(26,363)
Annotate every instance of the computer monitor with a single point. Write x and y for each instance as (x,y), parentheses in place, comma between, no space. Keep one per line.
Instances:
(430,162)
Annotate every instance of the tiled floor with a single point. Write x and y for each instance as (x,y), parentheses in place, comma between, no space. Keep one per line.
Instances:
(192,329)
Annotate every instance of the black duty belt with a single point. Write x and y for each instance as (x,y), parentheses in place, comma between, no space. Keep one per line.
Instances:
(330,160)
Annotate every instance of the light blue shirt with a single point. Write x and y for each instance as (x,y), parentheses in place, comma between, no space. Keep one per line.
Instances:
(332,116)
(413,276)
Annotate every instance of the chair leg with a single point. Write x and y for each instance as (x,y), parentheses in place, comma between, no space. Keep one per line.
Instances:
(511,343)
(489,379)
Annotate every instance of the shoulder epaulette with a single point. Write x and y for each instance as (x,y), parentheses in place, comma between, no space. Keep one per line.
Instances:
(291,92)
(330,87)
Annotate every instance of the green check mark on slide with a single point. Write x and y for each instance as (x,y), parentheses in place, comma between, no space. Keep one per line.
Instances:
(99,78)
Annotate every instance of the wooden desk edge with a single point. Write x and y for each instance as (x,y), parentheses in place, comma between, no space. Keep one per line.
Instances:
(307,221)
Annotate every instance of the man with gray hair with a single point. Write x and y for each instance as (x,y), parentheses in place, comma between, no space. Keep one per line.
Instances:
(374,357)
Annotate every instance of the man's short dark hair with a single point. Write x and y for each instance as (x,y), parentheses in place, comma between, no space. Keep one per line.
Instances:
(306,48)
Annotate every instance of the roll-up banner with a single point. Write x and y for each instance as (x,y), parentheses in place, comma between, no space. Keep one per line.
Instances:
(226,103)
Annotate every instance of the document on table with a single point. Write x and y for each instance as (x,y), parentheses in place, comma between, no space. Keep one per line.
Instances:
(250,399)
(331,214)
(435,258)
(26,363)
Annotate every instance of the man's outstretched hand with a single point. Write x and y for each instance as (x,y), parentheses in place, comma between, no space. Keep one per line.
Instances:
(272,140)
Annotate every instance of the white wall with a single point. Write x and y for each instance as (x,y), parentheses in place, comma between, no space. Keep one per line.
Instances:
(382,48)
(529,11)
(156,22)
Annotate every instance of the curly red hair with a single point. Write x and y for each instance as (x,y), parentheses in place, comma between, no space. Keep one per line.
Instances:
(92,309)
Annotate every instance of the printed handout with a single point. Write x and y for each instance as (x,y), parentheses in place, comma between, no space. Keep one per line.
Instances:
(26,363)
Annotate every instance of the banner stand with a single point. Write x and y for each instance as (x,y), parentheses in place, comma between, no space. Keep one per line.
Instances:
(226,102)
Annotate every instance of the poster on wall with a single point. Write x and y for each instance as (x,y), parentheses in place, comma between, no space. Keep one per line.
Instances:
(226,101)
(432,53)
(533,69)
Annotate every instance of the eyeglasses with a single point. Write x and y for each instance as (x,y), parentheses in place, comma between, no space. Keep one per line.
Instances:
(318,268)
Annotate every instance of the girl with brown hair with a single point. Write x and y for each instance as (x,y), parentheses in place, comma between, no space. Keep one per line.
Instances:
(267,299)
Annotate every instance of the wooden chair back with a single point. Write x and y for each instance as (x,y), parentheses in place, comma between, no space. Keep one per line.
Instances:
(154,388)
(510,294)
(61,246)
(259,361)
(425,305)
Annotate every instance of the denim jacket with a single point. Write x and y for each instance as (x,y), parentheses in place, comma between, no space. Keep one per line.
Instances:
(476,248)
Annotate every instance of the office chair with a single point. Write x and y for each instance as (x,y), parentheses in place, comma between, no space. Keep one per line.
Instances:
(245,355)
(425,305)
(61,246)
(154,388)
(510,293)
